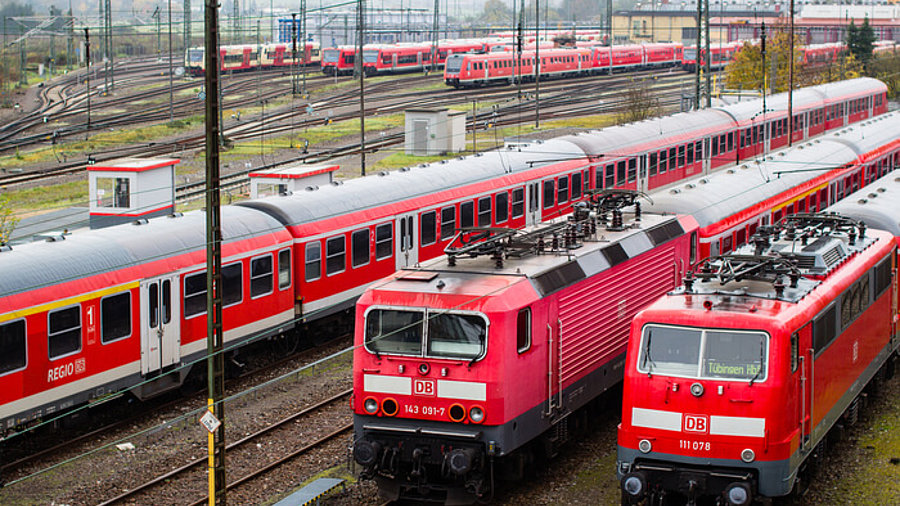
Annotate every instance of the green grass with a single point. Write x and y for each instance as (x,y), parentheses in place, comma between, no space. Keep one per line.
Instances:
(49,197)
(100,141)
(401,159)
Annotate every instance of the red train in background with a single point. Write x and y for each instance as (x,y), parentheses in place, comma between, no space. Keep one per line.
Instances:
(416,441)
(733,381)
(118,306)
(244,57)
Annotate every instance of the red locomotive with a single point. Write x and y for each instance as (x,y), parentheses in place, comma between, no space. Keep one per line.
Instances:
(733,381)
(436,415)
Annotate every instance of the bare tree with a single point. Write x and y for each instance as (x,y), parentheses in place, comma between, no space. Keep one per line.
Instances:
(638,103)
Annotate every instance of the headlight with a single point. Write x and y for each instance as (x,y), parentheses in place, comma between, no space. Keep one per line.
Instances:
(697,389)
(633,485)
(645,446)
(370,405)
(738,494)
(476,414)
(748,455)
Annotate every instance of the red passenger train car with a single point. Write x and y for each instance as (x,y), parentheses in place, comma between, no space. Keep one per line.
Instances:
(464,70)
(436,414)
(733,381)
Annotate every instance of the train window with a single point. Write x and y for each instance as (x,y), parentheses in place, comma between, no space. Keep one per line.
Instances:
(730,141)
(284,269)
(166,301)
(501,209)
(428,225)
(726,244)
(484,212)
(448,223)
(384,244)
(693,253)
(740,237)
(620,173)
(610,177)
(456,335)
(690,154)
(663,161)
(715,146)
(13,343)
(261,275)
(562,194)
(466,215)
(195,294)
(632,170)
(680,156)
(698,151)
(313,261)
(232,284)
(576,185)
(777,216)
(653,164)
(795,351)
(153,305)
(394,331)
(824,329)
(115,317)
(882,277)
(549,193)
(672,158)
(64,331)
(335,255)
(697,353)
(722,145)
(523,330)
(518,203)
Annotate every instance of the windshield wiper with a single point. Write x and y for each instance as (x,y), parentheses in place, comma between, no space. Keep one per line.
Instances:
(762,356)
(647,354)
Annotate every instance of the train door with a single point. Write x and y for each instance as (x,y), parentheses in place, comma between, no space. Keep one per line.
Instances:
(802,359)
(643,182)
(405,248)
(707,156)
(394,60)
(554,360)
(160,314)
(533,214)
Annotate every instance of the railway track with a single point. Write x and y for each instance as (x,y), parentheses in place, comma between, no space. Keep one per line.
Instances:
(568,95)
(194,467)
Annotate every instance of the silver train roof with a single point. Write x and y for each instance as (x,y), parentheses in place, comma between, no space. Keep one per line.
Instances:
(421,180)
(34,265)
(877,205)
(715,196)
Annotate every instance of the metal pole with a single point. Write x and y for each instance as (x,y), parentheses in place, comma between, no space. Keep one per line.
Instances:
(171,84)
(435,27)
(361,6)
(474,127)
(109,42)
(303,41)
(158,45)
(70,43)
(187,24)
(87,56)
(294,53)
(215,363)
(697,66)
(790,117)
(537,64)
(708,56)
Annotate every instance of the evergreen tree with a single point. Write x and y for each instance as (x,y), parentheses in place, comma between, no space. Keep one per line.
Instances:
(861,41)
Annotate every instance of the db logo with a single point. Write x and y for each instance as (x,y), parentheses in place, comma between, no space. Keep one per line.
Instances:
(696,423)
(424,387)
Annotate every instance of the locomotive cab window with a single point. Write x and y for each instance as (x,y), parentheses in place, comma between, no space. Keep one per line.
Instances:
(115,317)
(64,331)
(703,353)
(452,334)
(13,344)
(523,330)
